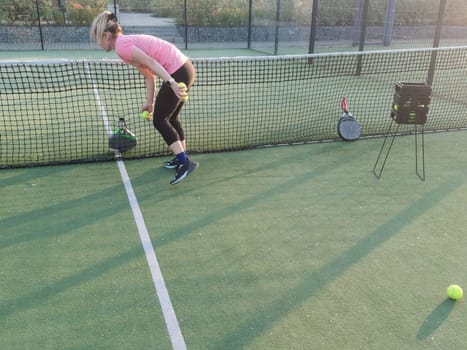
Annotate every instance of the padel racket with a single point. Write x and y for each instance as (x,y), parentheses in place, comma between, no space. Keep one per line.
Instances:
(122,139)
(348,128)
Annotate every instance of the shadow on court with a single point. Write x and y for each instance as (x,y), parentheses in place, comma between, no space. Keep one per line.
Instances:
(49,291)
(435,319)
(182,231)
(317,280)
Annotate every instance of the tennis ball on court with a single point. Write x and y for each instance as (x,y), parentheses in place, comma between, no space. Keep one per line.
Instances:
(455,292)
(185,88)
(146,115)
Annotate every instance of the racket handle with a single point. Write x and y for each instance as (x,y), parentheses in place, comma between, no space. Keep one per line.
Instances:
(344,105)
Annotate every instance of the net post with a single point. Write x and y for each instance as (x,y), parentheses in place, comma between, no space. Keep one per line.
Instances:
(439,23)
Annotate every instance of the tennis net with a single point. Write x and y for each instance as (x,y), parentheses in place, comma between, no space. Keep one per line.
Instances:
(62,111)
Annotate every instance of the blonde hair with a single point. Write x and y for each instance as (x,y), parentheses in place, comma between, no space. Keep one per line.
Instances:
(104,22)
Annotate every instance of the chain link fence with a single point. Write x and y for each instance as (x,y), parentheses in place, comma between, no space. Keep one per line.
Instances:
(271,26)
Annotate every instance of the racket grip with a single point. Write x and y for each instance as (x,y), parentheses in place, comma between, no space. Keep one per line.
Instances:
(344,105)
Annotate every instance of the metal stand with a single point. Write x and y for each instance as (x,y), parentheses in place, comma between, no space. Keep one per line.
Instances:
(386,149)
(410,106)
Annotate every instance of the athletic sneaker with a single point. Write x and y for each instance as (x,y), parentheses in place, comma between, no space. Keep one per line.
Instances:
(183,171)
(172,164)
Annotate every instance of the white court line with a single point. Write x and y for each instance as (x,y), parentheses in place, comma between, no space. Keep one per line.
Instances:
(173,327)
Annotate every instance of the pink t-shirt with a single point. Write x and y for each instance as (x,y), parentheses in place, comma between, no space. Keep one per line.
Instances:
(167,54)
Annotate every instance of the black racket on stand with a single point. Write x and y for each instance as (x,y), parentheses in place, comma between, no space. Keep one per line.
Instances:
(348,128)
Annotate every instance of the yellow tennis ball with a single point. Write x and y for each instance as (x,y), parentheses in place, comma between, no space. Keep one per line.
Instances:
(185,88)
(455,292)
(146,115)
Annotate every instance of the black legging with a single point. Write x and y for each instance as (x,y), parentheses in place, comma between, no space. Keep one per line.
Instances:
(168,106)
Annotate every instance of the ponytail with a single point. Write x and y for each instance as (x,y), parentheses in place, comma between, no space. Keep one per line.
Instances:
(104,22)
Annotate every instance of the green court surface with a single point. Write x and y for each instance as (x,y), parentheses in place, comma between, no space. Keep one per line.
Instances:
(294,247)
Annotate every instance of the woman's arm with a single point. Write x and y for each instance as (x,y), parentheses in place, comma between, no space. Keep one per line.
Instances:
(144,62)
(150,88)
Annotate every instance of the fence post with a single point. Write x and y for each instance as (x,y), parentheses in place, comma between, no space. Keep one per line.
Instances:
(361,43)
(185,24)
(439,24)
(314,19)
(357,21)
(276,33)
(250,16)
(116,12)
(39,22)
(389,22)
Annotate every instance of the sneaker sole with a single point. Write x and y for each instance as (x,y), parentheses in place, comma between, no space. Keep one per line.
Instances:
(170,166)
(192,167)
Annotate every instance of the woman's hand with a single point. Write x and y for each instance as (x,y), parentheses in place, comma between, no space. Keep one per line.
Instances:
(149,67)
(179,91)
(148,107)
